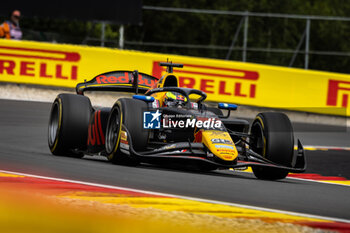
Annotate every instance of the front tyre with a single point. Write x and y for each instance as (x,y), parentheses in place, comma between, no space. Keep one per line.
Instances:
(68,125)
(128,113)
(273,139)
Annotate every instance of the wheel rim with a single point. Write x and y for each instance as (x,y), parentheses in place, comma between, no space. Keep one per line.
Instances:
(54,124)
(113,130)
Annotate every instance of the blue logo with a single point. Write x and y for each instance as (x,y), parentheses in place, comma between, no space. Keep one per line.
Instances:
(223,146)
(151,120)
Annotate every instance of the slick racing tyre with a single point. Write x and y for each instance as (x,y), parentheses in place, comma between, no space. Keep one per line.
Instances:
(127,113)
(68,125)
(272,138)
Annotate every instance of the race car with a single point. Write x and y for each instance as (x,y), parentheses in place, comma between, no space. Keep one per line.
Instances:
(167,124)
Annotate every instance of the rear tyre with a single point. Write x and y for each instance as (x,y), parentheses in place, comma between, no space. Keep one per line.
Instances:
(273,139)
(68,125)
(127,113)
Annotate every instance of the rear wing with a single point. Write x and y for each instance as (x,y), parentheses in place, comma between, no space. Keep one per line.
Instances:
(125,81)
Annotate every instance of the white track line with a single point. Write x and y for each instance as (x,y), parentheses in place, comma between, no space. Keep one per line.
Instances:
(327,147)
(303,179)
(183,197)
(319,181)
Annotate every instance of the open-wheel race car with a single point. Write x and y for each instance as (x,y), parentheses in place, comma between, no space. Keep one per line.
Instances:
(164,123)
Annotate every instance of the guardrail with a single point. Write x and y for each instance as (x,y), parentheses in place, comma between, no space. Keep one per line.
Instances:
(224,81)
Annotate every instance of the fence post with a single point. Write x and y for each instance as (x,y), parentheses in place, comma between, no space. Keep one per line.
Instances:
(307,43)
(245,38)
(103,27)
(121,36)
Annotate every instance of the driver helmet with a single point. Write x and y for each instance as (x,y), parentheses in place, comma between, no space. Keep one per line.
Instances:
(174,99)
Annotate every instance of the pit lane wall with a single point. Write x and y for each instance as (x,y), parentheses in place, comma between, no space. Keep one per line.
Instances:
(223,81)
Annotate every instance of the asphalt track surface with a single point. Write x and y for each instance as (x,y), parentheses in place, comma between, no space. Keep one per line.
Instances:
(23,148)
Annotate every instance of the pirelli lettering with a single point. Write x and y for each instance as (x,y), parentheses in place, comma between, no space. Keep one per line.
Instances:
(219,81)
(41,63)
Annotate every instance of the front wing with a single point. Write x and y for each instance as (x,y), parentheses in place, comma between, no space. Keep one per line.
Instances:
(184,152)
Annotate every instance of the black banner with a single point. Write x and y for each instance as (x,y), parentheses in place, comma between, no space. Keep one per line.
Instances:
(117,11)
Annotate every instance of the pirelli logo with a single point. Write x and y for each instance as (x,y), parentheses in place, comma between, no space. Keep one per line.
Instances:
(215,80)
(338,93)
(42,63)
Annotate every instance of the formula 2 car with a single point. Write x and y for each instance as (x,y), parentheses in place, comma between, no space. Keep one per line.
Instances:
(164,123)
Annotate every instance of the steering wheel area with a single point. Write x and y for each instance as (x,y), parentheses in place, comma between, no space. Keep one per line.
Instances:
(184,91)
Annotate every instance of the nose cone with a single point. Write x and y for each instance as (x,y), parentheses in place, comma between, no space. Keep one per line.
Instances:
(220,144)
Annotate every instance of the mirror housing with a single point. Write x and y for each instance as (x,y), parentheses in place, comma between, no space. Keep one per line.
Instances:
(143,98)
(227,106)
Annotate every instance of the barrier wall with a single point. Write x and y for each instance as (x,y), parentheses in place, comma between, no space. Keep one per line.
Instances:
(224,81)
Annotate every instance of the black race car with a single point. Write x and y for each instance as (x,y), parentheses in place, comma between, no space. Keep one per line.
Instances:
(164,123)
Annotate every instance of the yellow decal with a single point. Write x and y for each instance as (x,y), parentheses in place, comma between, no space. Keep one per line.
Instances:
(220,144)
(123,136)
